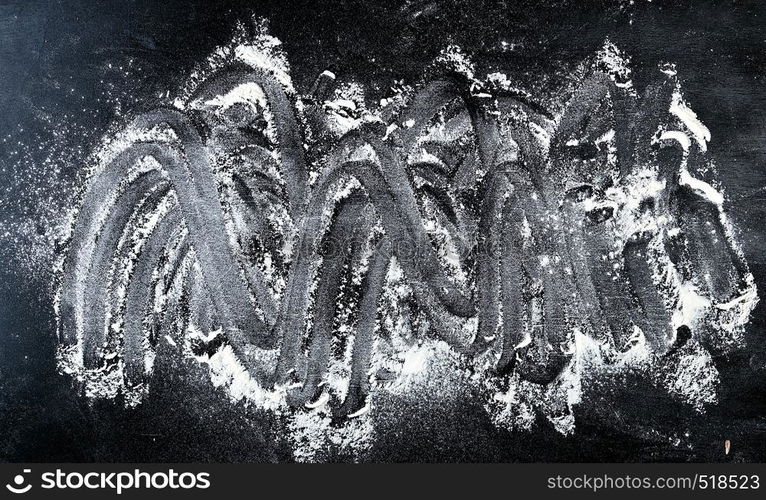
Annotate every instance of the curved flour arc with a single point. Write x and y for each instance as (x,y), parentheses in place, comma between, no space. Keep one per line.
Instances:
(348,232)
(97,281)
(197,191)
(99,197)
(399,215)
(251,206)
(372,288)
(288,133)
(212,248)
(139,294)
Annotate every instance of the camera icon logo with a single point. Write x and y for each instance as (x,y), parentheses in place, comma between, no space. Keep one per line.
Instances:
(18,483)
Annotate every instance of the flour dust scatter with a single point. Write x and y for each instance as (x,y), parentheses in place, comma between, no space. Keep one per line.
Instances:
(318,255)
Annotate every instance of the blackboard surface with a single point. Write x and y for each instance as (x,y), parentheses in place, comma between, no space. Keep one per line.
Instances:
(69,69)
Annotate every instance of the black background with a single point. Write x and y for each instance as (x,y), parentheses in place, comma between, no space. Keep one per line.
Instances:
(68,68)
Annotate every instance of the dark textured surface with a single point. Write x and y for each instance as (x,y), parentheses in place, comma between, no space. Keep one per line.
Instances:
(59,65)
